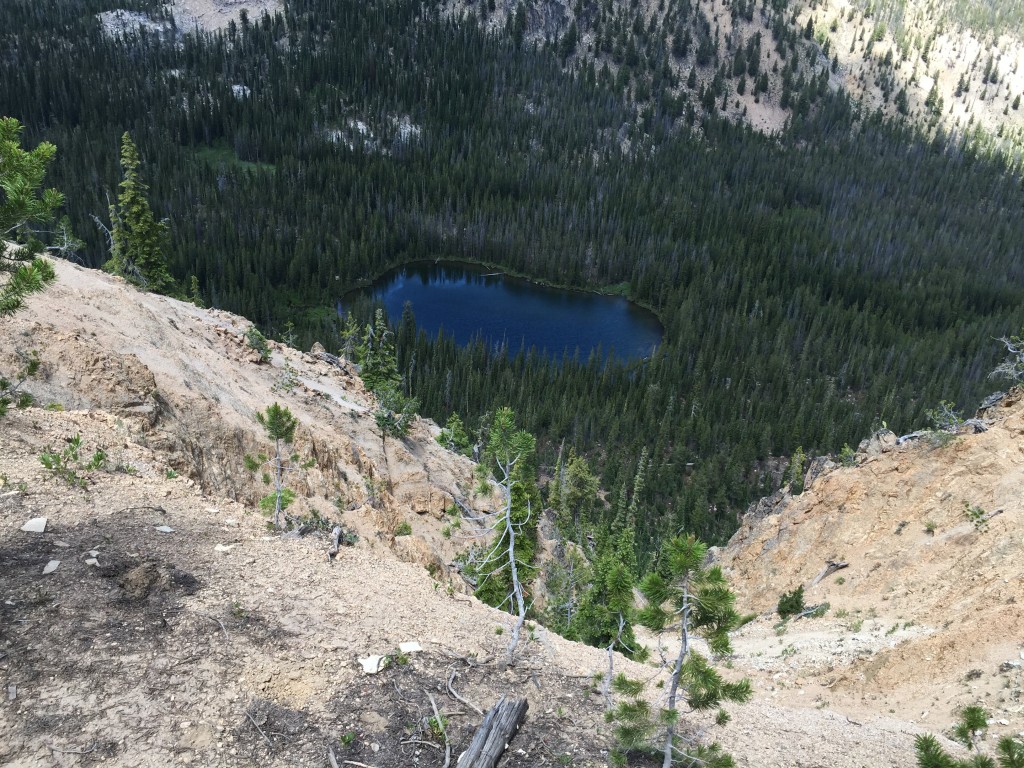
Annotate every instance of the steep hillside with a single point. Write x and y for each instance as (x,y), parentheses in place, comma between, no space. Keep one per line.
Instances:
(808,283)
(176,628)
(937,64)
(928,616)
(940,65)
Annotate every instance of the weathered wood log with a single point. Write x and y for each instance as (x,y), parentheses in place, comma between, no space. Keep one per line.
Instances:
(831,566)
(492,737)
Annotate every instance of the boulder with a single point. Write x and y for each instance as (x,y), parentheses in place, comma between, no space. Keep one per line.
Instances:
(883,441)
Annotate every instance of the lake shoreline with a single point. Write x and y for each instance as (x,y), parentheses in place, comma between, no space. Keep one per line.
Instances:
(504,271)
(465,298)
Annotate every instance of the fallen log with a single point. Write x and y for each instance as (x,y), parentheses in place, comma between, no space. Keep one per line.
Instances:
(831,566)
(492,737)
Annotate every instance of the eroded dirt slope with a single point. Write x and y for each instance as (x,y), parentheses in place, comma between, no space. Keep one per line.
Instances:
(929,614)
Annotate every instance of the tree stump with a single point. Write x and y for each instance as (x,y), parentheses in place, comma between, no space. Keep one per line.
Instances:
(492,737)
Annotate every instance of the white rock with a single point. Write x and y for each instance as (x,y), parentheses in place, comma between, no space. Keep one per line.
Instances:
(92,561)
(410,647)
(63,544)
(35,525)
(224,547)
(165,529)
(51,567)
(373,664)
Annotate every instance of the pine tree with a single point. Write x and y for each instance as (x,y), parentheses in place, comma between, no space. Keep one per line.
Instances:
(22,204)
(379,363)
(972,723)
(454,437)
(795,471)
(279,424)
(507,568)
(393,416)
(605,615)
(699,602)
(138,242)
(577,494)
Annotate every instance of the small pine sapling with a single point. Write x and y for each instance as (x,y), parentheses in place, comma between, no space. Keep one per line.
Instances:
(454,437)
(791,603)
(279,425)
(258,343)
(847,456)
(633,724)
(10,389)
(972,724)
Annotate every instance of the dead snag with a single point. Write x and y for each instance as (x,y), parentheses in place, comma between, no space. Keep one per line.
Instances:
(831,566)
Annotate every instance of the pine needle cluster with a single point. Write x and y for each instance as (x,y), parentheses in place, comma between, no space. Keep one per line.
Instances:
(23,204)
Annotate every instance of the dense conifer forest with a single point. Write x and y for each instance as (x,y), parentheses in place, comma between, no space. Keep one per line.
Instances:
(812,284)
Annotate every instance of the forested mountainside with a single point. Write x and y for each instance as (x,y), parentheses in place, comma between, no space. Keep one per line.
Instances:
(847,270)
(948,64)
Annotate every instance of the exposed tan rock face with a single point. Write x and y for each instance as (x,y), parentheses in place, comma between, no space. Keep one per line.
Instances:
(187,385)
(928,597)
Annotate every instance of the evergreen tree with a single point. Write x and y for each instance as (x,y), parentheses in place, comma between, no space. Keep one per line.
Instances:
(279,424)
(378,361)
(138,242)
(566,580)
(577,494)
(698,601)
(795,471)
(454,437)
(973,721)
(393,416)
(22,205)
(507,567)
(605,615)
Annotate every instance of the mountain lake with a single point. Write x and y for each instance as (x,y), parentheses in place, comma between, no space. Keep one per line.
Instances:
(467,301)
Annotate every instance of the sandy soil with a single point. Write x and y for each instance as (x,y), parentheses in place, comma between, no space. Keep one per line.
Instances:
(927,616)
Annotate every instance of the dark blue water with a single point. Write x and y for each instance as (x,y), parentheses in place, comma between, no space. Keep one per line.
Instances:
(465,301)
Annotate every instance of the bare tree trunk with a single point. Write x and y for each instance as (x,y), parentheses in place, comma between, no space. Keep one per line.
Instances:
(517,587)
(684,650)
(278,486)
(607,685)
